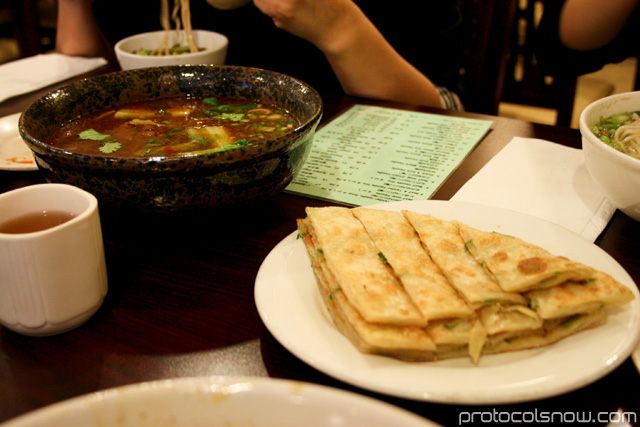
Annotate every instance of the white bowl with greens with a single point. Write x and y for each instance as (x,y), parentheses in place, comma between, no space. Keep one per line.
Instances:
(165,48)
(610,130)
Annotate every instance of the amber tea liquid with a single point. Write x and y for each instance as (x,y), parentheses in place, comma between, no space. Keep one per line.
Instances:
(36,221)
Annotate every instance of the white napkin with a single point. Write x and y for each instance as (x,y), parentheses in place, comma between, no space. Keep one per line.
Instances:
(542,179)
(39,71)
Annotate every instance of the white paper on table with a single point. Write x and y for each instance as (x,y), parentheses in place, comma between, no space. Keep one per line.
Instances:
(39,71)
(542,179)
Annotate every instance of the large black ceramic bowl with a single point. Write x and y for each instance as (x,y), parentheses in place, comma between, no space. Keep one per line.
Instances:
(175,184)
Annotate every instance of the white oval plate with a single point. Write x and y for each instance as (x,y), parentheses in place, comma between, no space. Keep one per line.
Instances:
(14,153)
(289,304)
(220,401)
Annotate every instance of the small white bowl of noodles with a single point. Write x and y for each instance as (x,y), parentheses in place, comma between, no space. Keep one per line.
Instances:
(613,157)
(162,48)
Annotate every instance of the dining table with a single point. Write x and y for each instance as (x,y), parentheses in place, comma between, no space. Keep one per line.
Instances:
(181,301)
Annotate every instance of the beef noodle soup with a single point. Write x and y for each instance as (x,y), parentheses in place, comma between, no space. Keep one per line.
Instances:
(170,127)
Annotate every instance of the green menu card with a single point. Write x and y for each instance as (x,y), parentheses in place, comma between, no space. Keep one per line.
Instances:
(373,154)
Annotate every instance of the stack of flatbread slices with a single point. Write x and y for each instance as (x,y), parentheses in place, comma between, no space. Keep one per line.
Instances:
(419,288)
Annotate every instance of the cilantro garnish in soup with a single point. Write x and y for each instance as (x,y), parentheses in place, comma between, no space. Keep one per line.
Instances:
(174,127)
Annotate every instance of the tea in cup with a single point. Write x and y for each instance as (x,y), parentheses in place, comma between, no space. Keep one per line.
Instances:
(53,274)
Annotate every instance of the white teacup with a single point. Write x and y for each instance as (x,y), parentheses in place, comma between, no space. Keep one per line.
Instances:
(54,279)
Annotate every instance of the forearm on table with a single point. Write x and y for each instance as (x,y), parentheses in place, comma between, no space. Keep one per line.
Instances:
(368,66)
(362,59)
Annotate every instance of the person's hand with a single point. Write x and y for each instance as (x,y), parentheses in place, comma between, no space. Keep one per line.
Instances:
(320,22)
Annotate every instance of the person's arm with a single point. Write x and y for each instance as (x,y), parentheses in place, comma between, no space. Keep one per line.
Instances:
(592,24)
(78,33)
(362,59)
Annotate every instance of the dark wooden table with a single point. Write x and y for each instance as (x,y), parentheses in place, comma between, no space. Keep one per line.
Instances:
(181,300)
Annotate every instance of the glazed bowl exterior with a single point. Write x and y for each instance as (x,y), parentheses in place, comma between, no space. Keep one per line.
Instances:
(616,174)
(175,184)
(215,49)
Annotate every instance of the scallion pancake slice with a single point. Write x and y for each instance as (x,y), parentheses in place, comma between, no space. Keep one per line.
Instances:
(550,333)
(402,342)
(354,261)
(422,279)
(455,336)
(598,292)
(498,318)
(447,249)
(519,266)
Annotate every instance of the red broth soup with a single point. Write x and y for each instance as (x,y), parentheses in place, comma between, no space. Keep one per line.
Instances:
(181,126)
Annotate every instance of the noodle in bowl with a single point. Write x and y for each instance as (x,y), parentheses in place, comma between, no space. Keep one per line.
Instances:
(180,45)
(214,51)
(616,173)
(628,136)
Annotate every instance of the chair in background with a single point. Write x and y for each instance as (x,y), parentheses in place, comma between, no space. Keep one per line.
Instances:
(26,25)
(524,82)
(29,25)
(488,27)
(500,63)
